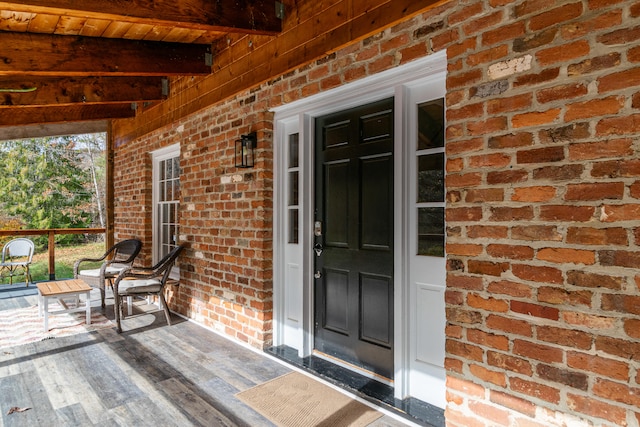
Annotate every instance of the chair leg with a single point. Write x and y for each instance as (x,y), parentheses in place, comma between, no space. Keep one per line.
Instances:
(164,306)
(102,296)
(117,309)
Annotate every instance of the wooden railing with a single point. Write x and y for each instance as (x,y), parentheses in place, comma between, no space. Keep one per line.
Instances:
(52,240)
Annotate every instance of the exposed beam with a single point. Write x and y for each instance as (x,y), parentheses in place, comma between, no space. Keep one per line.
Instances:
(52,129)
(66,114)
(244,16)
(24,91)
(47,55)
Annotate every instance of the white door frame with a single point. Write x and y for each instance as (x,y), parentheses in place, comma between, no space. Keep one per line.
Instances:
(300,116)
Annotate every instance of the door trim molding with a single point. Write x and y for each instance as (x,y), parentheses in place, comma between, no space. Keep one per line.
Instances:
(397,83)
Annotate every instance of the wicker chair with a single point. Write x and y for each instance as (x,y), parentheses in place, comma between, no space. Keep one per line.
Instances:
(139,281)
(118,257)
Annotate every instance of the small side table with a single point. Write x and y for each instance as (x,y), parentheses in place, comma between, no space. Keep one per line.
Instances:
(59,290)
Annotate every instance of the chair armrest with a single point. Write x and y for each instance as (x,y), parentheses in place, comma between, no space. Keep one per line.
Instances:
(76,265)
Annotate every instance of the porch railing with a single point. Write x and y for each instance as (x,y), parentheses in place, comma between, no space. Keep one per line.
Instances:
(52,240)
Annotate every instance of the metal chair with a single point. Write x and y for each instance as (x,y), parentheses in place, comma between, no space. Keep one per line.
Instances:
(16,258)
(116,258)
(137,281)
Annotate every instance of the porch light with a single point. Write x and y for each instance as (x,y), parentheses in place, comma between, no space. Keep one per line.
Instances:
(245,147)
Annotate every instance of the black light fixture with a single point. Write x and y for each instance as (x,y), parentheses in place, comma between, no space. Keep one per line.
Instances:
(245,147)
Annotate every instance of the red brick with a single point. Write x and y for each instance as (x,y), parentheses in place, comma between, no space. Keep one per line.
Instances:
(536,233)
(566,255)
(621,36)
(493,305)
(536,118)
(559,296)
(499,342)
(546,75)
(613,213)
(540,155)
(463,80)
(489,231)
(511,214)
(461,315)
(588,405)
(506,177)
(577,380)
(466,146)
(595,191)
(535,310)
(566,213)
(512,103)
(509,325)
(534,389)
(593,108)
(464,282)
(616,168)
(590,321)
(617,392)
(537,351)
(627,124)
(504,33)
(601,366)
(457,49)
(511,288)
(512,402)
(565,337)
(523,139)
(586,27)
(464,350)
(496,160)
(483,195)
(591,280)
(556,93)
(628,304)
(484,374)
(464,180)
(487,56)
(533,194)
(618,347)
(537,274)
(569,133)
(555,16)
(509,363)
(591,65)
(597,236)
(464,386)
(464,249)
(533,6)
(487,268)
(563,53)
(632,328)
(463,214)
(510,251)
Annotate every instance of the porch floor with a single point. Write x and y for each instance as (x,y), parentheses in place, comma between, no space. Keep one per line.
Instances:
(151,374)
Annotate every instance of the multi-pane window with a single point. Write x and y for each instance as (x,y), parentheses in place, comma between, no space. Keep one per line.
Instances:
(293,202)
(167,203)
(430,178)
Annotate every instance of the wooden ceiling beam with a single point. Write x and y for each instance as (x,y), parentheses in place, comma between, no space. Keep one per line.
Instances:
(31,91)
(52,129)
(65,114)
(241,16)
(53,55)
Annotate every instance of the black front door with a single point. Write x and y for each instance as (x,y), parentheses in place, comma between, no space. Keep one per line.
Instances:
(354,236)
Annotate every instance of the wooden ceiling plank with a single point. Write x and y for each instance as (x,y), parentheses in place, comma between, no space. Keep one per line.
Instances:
(94,27)
(15,21)
(43,23)
(84,90)
(54,129)
(250,16)
(69,25)
(90,56)
(116,30)
(65,114)
(158,33)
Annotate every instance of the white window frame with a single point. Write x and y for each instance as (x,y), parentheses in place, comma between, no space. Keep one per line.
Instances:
(158,156)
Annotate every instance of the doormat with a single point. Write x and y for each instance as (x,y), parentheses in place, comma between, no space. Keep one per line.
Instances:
(295,400)
(23,325)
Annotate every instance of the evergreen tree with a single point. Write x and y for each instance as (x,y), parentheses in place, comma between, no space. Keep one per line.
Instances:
(43,184)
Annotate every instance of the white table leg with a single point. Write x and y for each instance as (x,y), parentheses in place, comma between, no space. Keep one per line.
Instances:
(129,306)
(87,303)
(39,304)
(46,314)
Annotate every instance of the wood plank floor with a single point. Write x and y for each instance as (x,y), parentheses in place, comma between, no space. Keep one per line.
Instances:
(150,375)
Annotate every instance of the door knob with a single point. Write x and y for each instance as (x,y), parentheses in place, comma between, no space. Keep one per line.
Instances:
(317,274)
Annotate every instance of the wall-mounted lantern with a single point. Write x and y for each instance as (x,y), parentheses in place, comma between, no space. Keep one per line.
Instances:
(245,148)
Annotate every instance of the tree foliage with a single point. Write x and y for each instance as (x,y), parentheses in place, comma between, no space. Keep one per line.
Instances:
(44,185)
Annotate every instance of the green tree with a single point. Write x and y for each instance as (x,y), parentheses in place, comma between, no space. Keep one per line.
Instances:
(43,184)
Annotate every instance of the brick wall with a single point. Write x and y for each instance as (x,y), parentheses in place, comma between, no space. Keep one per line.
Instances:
(543,111)
(542,176)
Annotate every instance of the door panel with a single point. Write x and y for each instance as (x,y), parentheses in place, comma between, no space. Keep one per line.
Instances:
(354,268)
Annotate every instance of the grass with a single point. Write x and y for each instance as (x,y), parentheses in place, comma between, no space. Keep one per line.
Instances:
(65,258)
